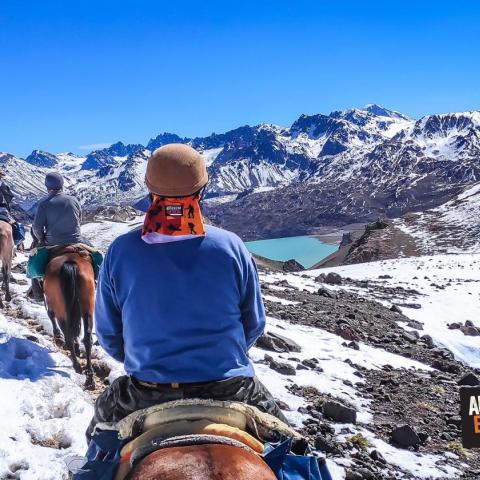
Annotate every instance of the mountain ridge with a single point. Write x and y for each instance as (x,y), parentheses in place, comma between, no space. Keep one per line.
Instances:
(344,167)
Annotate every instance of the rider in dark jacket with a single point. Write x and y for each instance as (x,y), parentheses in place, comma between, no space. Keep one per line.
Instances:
(58,217)
(6,195)
(57,221)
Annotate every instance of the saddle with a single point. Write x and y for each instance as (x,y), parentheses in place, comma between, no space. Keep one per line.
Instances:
(195,422)
(58,250)
(42,256)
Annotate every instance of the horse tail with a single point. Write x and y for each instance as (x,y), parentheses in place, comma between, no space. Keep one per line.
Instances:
(70,287)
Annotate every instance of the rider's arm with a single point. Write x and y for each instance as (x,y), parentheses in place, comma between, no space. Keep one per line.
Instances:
(39,222)
(108,316)
(253,311)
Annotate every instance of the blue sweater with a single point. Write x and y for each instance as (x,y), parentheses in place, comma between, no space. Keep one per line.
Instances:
(180,312)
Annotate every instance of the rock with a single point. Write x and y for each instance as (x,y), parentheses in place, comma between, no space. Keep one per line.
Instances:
(469,379)
(310,362)
(377,456)
(415,306)
(470,331)
(32,338)
(405,436)
(301,367)
(292,266)
(277,343)
(469,323)
(444,366)
(395,309)
(366,474)
(354,345)
(455,420)
(347,333)
(323,444)
(353,475)
(415,324)
(325,292)
(333,278)
(410,337)
(428,340)
(384,277)
(19,268)
(339,412)
(280,367)
(283,405)
(454,326)
(423,436)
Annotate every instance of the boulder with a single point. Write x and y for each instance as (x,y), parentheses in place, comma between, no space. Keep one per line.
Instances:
(454,326)
(347,333)
(277,343)
(310,362)
(446,366)
(323,444)
(455,420)
(339,412)
(292,266)
(280,367)
(325,292)
(333,278)
(469,379)
(470,331)
(377,456)
(405,437)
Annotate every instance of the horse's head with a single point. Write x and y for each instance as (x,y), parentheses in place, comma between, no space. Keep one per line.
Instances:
(202,462)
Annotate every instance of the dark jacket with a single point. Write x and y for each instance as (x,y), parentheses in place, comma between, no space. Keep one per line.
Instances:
(6,196)
(57,221)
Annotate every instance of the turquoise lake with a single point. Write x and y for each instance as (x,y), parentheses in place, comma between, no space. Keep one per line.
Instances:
(305,250)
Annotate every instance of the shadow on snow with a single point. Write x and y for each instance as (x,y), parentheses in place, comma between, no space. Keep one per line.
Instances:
(22,359)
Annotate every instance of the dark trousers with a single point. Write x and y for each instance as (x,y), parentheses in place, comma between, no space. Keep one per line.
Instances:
(126,395)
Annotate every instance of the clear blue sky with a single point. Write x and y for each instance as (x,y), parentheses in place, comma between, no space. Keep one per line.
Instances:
(81,72)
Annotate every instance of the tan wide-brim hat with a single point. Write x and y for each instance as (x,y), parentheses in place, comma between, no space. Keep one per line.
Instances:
(176,170)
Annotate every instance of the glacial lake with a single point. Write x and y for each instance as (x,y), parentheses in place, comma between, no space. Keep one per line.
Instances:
(305,250)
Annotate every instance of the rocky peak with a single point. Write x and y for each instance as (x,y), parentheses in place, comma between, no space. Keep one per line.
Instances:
(42,159)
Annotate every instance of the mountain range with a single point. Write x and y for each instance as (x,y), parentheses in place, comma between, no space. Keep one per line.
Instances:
(269,181)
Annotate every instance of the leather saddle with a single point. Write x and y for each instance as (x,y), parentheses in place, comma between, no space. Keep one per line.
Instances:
(194,422)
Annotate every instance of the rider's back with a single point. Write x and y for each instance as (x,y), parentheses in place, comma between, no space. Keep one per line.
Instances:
(184,311)
(58,219)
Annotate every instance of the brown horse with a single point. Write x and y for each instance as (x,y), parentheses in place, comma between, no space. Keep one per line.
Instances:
(202,462)
(69,288)
(6,254)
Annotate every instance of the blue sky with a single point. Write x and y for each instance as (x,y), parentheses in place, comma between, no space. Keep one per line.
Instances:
(78,73)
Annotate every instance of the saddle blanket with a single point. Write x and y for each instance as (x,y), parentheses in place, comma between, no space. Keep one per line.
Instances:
(39,258)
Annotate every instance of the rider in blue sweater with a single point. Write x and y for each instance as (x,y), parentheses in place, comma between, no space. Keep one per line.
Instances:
(178,302)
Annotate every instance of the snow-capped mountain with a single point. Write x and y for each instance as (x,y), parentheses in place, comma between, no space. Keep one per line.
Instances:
(416,165)
(325,169)
(453,227)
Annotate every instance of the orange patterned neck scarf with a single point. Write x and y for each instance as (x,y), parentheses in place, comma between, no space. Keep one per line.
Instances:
(173,219)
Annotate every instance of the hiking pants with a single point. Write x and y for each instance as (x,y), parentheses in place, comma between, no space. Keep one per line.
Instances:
(127,395)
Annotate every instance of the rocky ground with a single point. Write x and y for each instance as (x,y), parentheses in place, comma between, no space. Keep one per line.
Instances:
(412,409)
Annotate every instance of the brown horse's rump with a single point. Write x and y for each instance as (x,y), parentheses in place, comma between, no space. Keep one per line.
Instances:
(202,462)
(69,288)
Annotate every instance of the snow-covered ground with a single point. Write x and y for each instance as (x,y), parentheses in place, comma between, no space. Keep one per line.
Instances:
(457,299)
(46,411)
